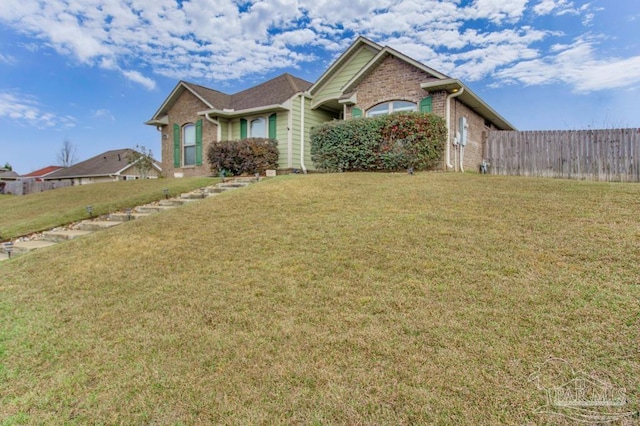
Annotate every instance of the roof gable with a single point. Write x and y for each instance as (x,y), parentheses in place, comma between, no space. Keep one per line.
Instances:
(210,99)
(343,59)
(377,60)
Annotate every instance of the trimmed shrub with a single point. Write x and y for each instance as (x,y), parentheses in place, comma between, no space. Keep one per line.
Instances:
(245,156)
(390,142)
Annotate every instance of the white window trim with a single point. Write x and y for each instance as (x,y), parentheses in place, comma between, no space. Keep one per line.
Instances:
(266,126)
(390,108)
(184,145)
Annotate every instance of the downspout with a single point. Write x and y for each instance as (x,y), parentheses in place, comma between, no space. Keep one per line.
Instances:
(448,119)
(302,102)
(218,127)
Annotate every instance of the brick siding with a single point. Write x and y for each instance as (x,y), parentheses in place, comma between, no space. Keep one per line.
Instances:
(184,111)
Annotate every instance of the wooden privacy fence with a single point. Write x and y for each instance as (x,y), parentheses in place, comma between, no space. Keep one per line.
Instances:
(605,155)
(29,186)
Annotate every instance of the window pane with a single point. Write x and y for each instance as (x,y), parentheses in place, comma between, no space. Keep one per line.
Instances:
(381,109)
(189,155)
(258,128)
(189,135)
(403,106)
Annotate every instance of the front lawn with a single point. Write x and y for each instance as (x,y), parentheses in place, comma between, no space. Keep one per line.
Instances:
(332,299)
(20,215)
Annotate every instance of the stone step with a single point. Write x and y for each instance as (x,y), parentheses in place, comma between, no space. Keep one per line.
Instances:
(193,195)
(219,190)
(233,185)
(153,209)
(3,256)
(175,202)
(21,247)
(97,225)
(58,236)
(124,217)
(247,179)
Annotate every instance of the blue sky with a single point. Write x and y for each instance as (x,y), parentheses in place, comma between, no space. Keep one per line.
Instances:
(92,71)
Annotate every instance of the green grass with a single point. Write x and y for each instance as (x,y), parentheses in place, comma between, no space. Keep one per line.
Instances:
(36,212)
(329,299)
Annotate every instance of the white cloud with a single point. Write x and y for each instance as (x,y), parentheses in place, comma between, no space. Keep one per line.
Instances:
(545,7)
(137,77)
(104,113)
(7,59)
(24,110)
(193,40)
(578,67)
(497,10)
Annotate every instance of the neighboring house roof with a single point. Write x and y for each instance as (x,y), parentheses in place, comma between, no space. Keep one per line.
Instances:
(43,172)
(268,94)
(108,163)
(9,175)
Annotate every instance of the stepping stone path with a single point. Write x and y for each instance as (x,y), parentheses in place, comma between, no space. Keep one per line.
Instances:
(35,241)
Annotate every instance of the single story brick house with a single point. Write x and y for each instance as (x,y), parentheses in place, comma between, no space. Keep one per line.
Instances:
(366,80)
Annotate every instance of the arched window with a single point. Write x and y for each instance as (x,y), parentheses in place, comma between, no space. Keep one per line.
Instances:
(189,144)
(391,107)
(258,128)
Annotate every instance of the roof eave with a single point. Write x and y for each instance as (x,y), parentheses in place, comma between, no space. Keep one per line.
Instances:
(177,91)
(472,100)
(243,112)
(164,121)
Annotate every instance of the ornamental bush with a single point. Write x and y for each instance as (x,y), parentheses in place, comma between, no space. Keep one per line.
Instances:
(245,156)
(391,142)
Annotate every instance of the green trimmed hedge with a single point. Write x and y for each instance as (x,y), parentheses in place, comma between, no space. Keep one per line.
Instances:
(391,142)
(244,156)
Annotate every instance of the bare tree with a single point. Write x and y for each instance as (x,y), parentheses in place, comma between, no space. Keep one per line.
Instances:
(142,159)
(67,154)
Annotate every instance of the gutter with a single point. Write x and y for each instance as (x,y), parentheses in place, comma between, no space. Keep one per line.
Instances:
(448,120)
(302,102)
(230,113)
(217,123)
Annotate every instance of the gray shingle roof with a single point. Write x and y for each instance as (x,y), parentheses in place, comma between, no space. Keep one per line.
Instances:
(105,164)
(271,92)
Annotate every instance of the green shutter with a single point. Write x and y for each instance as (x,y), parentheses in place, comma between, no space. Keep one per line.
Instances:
(243,128)
(426,104)
(356,112)
(176,146)
(273,118)
(199,143)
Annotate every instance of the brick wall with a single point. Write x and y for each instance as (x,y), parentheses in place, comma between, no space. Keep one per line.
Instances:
(184,111)
(474,152)
(395,79)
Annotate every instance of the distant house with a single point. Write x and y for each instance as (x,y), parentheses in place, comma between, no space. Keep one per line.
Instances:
(107,167)
(365,81)
(42,173)
(8,175)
